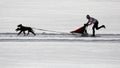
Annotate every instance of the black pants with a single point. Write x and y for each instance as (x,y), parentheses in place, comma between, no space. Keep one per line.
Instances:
(95,26)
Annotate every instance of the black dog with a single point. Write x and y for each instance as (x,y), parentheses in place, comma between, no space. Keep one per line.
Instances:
(22,28)
(81,30)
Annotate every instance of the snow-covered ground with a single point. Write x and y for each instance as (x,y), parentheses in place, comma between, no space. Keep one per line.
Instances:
(54,37)
(59,55)
(59,51)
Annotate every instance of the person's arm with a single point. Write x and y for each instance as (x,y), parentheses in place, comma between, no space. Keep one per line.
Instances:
(89,22)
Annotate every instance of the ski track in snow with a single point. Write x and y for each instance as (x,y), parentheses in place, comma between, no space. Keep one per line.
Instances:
(48,37)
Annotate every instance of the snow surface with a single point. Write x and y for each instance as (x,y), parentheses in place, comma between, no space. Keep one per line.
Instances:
(59,51)
(48,37)
(59,55)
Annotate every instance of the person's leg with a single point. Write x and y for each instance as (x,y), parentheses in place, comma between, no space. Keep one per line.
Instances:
(97,28)
(93,28)
(102,26)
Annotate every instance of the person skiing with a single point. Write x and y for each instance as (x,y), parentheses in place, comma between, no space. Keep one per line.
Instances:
(95,23)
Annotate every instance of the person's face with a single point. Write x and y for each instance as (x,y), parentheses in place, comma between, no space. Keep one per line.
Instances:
(88,17)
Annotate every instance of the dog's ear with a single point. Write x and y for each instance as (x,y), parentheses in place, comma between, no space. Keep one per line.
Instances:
(19,25)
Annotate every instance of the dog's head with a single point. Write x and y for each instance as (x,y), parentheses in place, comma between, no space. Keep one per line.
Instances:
(20,25)
(18,29)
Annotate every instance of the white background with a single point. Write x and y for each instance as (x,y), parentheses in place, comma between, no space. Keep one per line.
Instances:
(59,15)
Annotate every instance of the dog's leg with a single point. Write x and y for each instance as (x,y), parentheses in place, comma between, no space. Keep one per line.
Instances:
(24,33)
(19,33)
(28,33)
(33,33)
(31,30)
